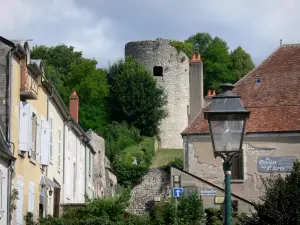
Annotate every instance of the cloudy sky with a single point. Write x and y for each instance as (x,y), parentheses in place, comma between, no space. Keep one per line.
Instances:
(100,28)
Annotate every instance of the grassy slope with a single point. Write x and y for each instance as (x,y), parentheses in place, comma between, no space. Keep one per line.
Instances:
(164,156)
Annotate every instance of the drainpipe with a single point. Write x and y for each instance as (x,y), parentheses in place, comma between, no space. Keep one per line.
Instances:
(9,128)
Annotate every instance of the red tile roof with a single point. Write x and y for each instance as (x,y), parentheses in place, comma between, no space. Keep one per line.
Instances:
(274,104)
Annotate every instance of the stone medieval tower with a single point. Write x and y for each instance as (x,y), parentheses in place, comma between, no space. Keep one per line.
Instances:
(171,69)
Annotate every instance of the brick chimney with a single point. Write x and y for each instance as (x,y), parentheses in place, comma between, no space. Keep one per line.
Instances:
(196,86)
(74,105)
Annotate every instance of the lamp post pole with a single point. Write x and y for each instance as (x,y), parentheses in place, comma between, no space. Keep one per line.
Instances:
(228,209)
(227,120)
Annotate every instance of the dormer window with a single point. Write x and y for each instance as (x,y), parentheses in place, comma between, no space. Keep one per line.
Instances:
(257,80)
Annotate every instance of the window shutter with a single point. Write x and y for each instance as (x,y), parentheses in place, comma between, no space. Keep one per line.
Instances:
(20,202)
(23,128)
(31,197)
(37,138)
(45,143)
(30,130)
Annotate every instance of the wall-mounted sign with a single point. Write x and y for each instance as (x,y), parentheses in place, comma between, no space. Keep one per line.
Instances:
(208,192)
(283,164)
(219,200)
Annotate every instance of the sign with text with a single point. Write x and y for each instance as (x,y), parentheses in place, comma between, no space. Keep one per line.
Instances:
(208,192)
(279,164)
(219,200)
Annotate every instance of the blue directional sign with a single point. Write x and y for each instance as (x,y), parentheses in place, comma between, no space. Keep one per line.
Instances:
(177,192)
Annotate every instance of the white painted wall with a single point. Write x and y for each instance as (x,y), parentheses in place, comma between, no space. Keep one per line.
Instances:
(4,192)
(73,168)
(55,167)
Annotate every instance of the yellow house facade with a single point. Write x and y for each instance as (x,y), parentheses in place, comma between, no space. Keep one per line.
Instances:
(53,154)
(29,102)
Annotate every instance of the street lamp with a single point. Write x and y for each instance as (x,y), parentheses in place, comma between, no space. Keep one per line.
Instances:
(227,120)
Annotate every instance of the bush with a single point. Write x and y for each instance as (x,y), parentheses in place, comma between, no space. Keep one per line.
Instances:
(119,136)
(130,174)
(177,163)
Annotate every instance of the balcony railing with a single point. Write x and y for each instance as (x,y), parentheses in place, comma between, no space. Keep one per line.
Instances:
(29,88)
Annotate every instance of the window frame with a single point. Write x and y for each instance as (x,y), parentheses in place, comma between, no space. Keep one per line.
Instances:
(50,138)
(59,149)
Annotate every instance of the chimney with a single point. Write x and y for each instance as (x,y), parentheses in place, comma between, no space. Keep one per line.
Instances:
(74,105)
(280,42)
(213,93)
(196,86)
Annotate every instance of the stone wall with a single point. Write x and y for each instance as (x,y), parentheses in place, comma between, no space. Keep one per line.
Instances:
(175,81)
(155,185)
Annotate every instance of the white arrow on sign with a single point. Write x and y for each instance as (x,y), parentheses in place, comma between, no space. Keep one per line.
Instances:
(177,193)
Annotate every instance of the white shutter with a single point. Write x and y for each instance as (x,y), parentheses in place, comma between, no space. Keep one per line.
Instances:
(23,129)
(45,143)
(31,197)
(20,202)
(37,139)
(30,129)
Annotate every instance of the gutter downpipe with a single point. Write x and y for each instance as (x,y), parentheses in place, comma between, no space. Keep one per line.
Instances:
(85,169)
(46,199)
(9,133)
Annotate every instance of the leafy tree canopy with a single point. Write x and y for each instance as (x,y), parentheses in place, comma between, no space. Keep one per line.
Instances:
(135,97)
(68,70)
(219,65)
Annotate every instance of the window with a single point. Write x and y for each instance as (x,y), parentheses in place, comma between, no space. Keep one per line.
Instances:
(158,71)
(34,137)
(237,172)
(51,135)
(59,148)
(90,163)
(1,190)
(257,80)
(74,181)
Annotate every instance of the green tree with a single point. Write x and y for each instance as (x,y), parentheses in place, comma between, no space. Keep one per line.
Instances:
(216,64)
(241,63)
(135,97)
(281,201)
(67,70)
(200,42)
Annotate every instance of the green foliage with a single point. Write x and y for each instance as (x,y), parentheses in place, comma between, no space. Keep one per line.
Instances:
(119,136)
(280,201)
(177,163)
(188,210)
(128,173)
(200,42)
(187,48)
(219,66)
(135,97)
(214,216)
(241,63)
(68,70)
(29,219)
(12,205)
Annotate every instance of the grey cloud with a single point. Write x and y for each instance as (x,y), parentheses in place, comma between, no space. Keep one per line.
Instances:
(101,28)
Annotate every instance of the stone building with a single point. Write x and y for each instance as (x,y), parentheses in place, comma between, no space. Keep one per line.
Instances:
(105,179)
(171,69)
(272,140)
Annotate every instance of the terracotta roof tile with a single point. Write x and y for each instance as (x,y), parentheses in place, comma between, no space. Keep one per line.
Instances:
(274,104)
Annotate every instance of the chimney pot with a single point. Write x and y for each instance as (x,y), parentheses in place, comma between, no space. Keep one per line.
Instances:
(214,93)
(74,105)
(209,93)
(193,56)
